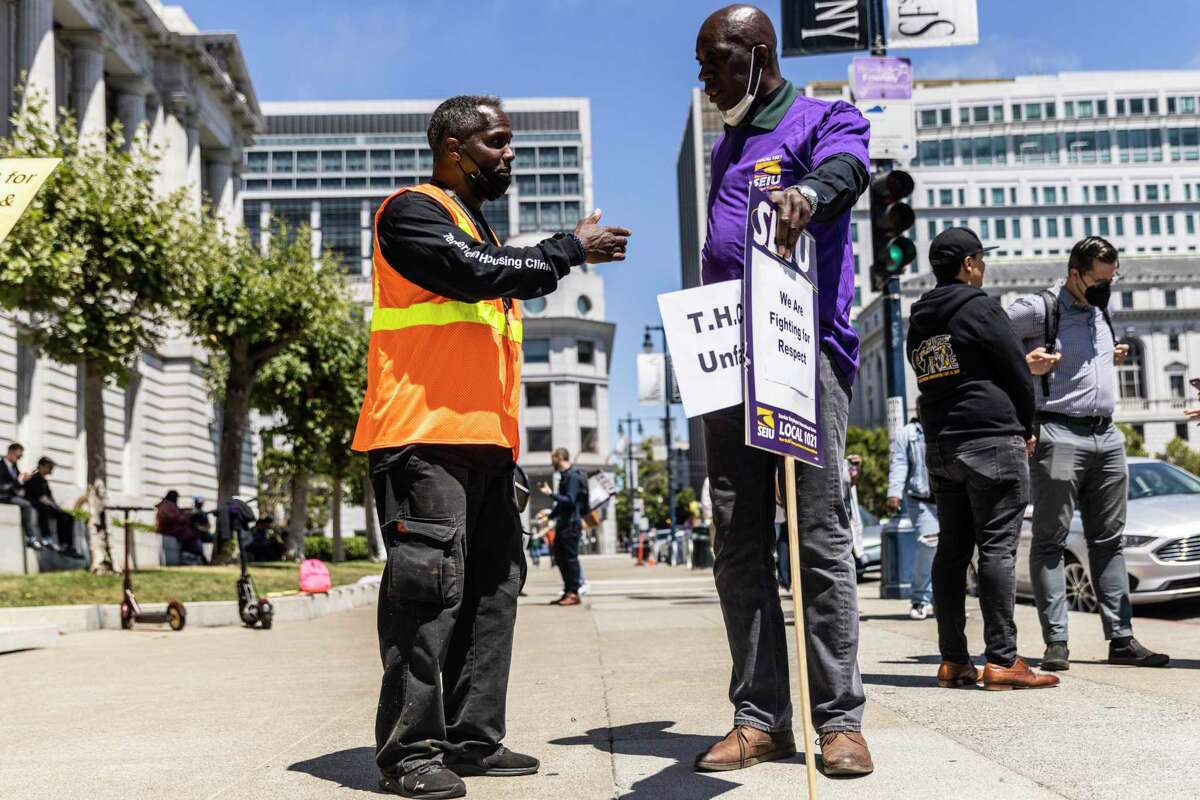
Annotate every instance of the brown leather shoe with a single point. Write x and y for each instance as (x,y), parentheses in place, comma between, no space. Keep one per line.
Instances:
(744,747)
(952,675)
(568,599)
(845,753)
(1018,676)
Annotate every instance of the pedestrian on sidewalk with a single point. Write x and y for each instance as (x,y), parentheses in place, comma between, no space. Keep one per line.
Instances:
(812,156)
(1080,457)
(976,407)
(441,424)
(570,504)
(908,491)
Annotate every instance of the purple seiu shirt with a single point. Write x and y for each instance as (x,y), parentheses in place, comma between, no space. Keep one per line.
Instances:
(810,131)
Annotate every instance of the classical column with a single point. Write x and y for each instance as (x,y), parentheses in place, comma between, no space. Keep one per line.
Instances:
(220,184)
(35,51)
(195,167)
(131,107)
(87,68)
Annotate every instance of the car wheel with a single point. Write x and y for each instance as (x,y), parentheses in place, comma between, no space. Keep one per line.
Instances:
(1081,595)
(972,581)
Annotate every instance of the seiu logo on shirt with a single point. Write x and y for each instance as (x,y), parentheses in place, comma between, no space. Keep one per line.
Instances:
(768,174)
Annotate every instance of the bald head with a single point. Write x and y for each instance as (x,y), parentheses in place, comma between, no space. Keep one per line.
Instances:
(736,50)
(741,24)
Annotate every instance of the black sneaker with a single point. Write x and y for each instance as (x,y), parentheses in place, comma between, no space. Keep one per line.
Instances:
(1133,654)
(430,780)
(1057,657)
(503,763)
(35,544)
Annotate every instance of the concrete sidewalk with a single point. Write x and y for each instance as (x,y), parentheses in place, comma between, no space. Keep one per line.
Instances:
(616,697)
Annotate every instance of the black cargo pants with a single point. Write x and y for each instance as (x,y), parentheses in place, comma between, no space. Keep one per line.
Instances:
(447,607)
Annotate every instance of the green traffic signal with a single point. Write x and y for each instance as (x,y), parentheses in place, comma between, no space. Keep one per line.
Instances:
(899,254)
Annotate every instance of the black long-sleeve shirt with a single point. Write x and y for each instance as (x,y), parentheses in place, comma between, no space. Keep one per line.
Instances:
(421,242)
(838,181)
(572,489)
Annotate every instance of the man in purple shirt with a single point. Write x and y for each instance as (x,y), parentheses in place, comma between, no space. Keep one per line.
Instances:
(812,156)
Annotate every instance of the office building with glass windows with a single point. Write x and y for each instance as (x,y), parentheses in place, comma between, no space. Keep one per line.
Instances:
(330,164)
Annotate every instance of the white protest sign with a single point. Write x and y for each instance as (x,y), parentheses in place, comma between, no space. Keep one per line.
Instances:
(704,335)
(20,179)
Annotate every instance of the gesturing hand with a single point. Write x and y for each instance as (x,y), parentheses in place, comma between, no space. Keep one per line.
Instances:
(794,212)
(602,243)
(1040,362)
(1030,446)
(1120,353)
(545,489)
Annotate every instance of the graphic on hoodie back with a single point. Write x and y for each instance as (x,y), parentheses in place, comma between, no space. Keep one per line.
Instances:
(935,358)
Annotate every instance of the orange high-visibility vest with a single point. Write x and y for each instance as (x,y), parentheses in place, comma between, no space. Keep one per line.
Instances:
(439,371)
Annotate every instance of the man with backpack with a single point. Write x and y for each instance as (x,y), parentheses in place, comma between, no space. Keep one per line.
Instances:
(570,506)
(1071,346)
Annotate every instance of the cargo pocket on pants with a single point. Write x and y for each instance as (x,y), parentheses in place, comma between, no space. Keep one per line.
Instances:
(424,561)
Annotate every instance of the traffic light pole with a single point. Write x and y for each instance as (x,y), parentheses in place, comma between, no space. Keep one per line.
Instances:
(667,392)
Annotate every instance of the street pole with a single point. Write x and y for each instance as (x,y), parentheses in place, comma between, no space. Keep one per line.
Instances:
(666,424)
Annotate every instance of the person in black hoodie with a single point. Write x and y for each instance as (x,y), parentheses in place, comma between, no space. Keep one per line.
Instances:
(976,405)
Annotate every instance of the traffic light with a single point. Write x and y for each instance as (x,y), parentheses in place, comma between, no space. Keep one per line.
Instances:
(891,217)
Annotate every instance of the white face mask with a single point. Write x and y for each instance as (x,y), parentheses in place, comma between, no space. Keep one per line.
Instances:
(734,115)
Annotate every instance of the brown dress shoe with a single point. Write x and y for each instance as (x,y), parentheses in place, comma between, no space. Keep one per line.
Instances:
(568,599)
(845,753)
(744,747)
(951,675)
(1019,676)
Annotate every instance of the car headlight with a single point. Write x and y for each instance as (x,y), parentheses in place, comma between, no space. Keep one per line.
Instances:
(1138,541)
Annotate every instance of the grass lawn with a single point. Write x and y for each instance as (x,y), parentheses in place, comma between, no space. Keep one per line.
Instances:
(165,583)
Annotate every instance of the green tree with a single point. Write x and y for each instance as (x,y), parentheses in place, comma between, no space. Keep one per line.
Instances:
(100,264)
(652,489)
(1135,445)
(872,445)
(249,303)
(308,389)
(1182,456)
(341,403)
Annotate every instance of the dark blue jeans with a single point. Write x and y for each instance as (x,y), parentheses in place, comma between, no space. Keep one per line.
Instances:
(742,483)
(982,488)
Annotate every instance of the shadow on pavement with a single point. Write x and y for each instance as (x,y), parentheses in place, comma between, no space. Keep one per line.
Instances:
(1176,663)
(902,681)
(677,781)
(351,769)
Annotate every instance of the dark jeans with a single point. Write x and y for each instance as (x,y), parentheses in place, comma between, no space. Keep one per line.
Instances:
(742,482)
(982,488)
(447,608)
(566,555)
(53,518)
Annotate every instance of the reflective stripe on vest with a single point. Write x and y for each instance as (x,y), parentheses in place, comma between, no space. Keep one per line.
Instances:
(446,313)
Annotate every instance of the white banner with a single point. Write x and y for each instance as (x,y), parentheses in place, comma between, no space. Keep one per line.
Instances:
(932,23)
(652,378)
(704,335)
(893,128)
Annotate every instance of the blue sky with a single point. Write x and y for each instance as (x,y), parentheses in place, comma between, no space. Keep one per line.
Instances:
(635,60)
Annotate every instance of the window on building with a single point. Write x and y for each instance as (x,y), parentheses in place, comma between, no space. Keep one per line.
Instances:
(405,160)
(962,197)
(570,183)
(1170,298)
(331,161)
(1087,226)
(1177,384)
(425,162)
(381,160)
(539,440)
(589,440)
(1173,342)
(1051,227)
(550,184)
(1001,228)
(308,161)
(998,197)
(537,351)
(1088,147)
(1037,227)
(528,217)
(1140,146)
(1016,229)
(283,162)
(946,197)
(1130,377)
(537,395)
(585,349)
(1127,299)
(1182,431)
(584,305)
(984,229)
(550,216)
(1120,225)
(527,185)
(1139,226)
(1189,223)
(534,305)
(571,214)
(548,157)
(526,157)
(1102,226)
(587,395)
(932,228)
(1170,224)
(258,162)
(1048,193)
(356,161)
(570,156)
(1155,225)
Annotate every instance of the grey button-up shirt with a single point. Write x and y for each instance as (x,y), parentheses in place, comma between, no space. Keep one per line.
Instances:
(1084,383)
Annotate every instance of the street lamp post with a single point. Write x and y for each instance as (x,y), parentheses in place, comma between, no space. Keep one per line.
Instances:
(648,347)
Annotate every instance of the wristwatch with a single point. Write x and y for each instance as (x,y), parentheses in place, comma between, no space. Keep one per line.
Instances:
(810,195)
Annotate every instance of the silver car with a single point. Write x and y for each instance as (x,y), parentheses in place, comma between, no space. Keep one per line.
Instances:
(1162,540)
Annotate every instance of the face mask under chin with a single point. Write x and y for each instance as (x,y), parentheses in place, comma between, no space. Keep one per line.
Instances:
(486,184)
(734,116)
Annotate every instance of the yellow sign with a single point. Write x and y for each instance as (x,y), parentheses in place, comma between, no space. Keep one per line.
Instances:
(20,179)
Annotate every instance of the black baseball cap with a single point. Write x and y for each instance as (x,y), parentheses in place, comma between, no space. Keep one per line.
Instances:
(952,245)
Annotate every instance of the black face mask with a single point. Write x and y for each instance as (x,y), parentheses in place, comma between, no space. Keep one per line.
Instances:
(486,184)
(1098,294)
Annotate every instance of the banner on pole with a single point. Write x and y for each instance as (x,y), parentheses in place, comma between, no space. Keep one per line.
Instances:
(824,26)
(882,90)
(20,179)
(704,334)
(932,23)
(652,378)
(782,403)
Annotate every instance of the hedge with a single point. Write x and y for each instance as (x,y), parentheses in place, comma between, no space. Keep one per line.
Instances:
(355,547)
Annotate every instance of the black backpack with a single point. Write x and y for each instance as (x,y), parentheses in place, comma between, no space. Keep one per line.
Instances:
(1050,320)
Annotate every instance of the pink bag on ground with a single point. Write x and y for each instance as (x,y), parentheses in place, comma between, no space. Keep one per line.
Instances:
(314,576)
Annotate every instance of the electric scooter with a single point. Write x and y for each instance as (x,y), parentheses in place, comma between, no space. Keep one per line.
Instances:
(253,609)
(175,614)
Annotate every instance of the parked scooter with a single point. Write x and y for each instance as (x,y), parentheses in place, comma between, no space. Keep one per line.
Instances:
(131,612)
(253,609)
